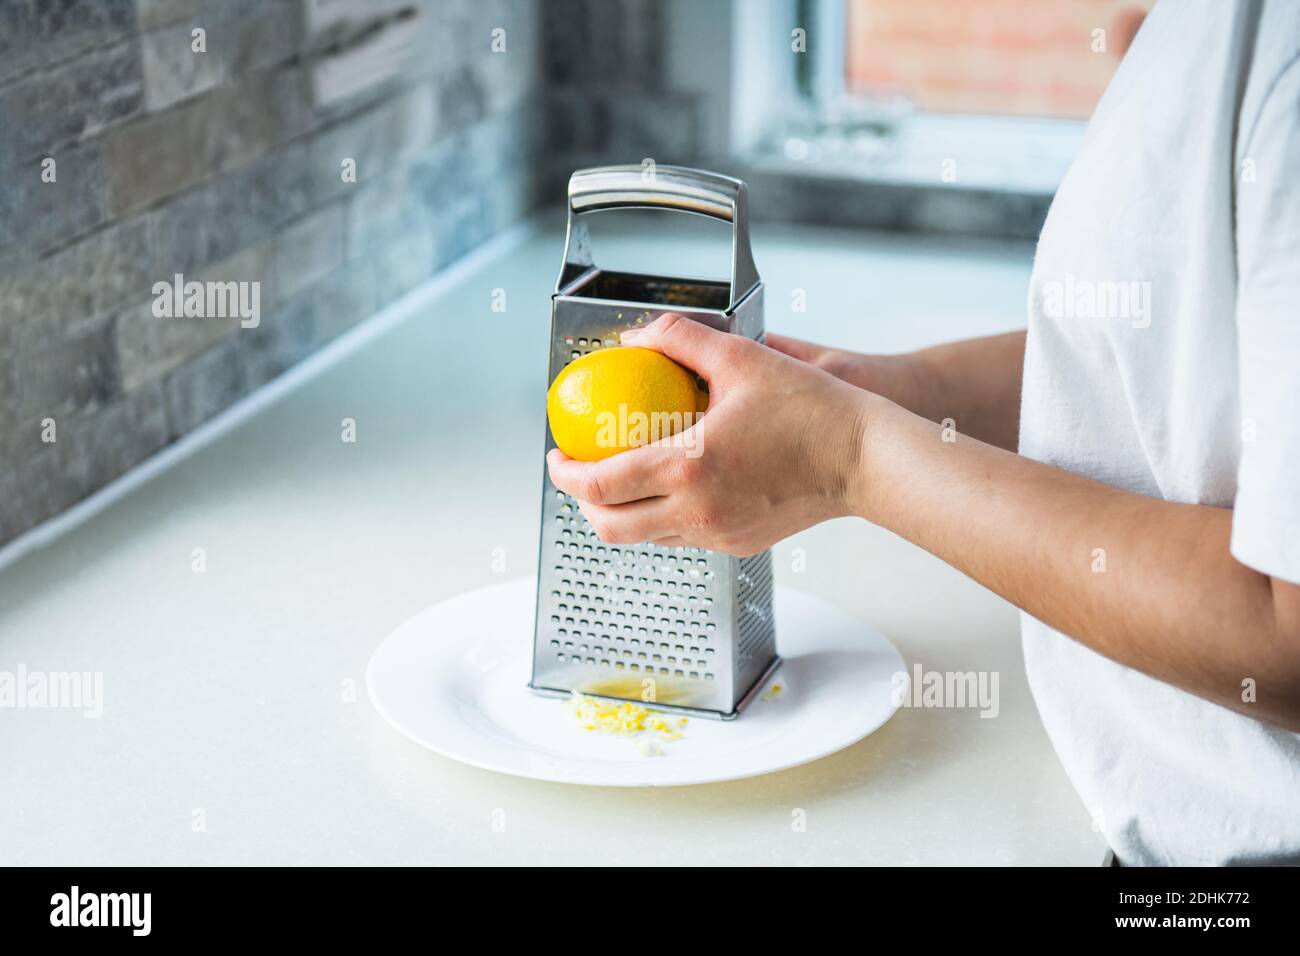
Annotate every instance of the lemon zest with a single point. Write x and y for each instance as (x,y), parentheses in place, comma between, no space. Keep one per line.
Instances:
(625,719)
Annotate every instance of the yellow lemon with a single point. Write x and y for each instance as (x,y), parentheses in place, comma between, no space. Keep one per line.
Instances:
(618,398)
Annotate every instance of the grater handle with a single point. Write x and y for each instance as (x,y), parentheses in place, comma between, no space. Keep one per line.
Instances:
(661,187)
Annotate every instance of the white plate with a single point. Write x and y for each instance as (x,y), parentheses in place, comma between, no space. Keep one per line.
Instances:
(454,678)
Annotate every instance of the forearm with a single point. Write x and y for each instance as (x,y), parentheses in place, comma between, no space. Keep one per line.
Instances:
(975,383)
(1145,582)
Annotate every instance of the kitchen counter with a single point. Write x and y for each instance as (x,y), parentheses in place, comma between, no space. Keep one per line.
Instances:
(235,725)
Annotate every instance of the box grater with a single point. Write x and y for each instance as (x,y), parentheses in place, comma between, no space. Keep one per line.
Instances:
(686,629)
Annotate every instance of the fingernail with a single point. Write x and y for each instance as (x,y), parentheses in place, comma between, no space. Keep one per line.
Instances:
(628,335)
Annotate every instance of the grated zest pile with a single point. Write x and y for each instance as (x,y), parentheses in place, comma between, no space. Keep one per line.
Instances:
(625,719)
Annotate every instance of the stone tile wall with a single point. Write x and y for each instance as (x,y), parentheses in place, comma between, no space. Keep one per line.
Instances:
(128,156)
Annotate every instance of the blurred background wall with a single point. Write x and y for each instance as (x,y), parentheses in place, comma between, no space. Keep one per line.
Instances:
(338,153)
(227,164)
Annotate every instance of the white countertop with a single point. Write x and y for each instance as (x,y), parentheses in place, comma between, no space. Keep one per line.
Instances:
(226,693)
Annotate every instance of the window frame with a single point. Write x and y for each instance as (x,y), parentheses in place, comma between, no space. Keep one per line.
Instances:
(758,83)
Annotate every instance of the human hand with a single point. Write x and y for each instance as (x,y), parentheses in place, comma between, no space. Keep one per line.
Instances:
(896,377)
(776,452)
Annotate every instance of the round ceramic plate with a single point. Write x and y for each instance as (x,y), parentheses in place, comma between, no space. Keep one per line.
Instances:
(454,678)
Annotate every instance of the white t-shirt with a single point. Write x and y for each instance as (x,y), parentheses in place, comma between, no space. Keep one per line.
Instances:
(1163,357)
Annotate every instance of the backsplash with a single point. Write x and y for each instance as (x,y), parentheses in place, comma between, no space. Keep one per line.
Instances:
(298,163)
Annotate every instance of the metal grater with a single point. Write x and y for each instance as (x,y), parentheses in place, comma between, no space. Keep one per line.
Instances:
(686,629)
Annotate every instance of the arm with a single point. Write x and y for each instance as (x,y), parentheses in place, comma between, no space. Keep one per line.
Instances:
(1172,601)
(1164,596)
(975,382)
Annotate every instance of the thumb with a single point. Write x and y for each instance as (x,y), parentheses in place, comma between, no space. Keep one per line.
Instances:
(709,353)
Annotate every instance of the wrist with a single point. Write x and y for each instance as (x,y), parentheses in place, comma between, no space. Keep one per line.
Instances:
(925,376)
(869,424)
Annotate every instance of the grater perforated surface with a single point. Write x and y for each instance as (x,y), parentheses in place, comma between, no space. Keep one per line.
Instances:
(639,608)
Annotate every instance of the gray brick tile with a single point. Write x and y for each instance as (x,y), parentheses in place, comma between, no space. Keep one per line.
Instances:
(173,70)
(204,386)
(307,250)
(156,13)
(260,33)
(39,215)
(53,107)
(463,99)
(344,298)
(383,209)
(101,447)
(39,486)
(378,141)
(281,341)
(82,281)
(37,34)
(164,154)
(65,371)
(148,346)
(238,210)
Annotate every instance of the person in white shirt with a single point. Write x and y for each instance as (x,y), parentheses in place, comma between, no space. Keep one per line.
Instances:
(1126,471)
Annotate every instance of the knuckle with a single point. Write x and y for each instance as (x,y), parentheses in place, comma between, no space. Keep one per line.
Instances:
(708,520)
(737,344)
(602,528)
(609,530)
(736,348)
(669,322)
(686,472)
(590,489)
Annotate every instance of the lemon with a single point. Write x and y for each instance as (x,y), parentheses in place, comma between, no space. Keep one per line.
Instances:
(618,398)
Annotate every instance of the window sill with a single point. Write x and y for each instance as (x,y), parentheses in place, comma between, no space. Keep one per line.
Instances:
(967,175)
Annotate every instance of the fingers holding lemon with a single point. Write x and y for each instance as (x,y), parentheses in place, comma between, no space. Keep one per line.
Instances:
(618,398)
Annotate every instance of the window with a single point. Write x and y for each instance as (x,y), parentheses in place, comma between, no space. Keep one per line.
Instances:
(892,90)
(1049,58)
